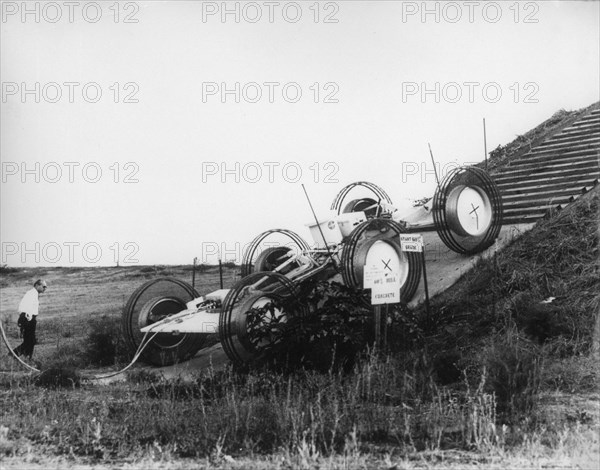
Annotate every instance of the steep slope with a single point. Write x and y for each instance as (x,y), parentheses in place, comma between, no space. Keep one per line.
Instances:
(552,173)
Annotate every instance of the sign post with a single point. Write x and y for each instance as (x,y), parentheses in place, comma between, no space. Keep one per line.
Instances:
(377,314)
(415,243)
(194,273)
(220,274)
(425,284)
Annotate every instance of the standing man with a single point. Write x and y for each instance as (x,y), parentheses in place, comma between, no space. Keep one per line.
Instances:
(28,312)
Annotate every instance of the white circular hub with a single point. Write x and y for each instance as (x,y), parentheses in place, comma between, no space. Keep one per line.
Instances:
(384,256)
(470,210)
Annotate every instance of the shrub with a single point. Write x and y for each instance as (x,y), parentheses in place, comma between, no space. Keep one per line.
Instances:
(58,377)
(538,320)
(331,335)
(104,344)
(69,355)
(5,269)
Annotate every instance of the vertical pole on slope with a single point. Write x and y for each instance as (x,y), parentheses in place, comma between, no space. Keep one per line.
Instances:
(377,321)
(425,283)
(384,326)
(485,145)
(220,273)
(194,273)
(317,222)
(437,179)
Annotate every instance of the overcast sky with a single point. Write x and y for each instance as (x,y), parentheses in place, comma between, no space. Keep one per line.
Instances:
(118,119)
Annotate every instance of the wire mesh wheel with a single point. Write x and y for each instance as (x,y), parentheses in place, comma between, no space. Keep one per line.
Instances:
(254,291)
(467,210)
(150,303)
(255,259)
(380,237)
(273,257)
(357,205)
(365,204)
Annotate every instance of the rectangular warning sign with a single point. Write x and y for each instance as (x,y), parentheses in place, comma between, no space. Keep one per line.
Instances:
(411,242)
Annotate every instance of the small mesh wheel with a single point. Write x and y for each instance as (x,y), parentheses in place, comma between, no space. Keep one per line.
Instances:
(366,205)
(273,257)
(151,302)
(353,206)
(257,258)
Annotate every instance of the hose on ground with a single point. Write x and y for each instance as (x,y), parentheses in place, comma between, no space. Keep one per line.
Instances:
(143,344)
(33,369)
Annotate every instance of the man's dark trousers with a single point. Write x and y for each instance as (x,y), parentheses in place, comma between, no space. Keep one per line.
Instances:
(26,348)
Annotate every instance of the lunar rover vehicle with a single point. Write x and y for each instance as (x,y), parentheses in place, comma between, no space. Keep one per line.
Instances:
(167,321)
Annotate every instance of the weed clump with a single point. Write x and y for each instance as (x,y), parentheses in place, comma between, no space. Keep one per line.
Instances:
(513,365)
(5,269)
(104,344)
(538,320)
(58,377)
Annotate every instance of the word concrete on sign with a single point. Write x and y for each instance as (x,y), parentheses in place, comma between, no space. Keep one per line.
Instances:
(384,285)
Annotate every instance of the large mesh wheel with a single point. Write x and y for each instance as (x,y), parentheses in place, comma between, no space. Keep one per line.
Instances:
(150,303)
(273,257)
(467,210)
(357,205)
(257,258)
(380,236)
(365,204)
(253,291)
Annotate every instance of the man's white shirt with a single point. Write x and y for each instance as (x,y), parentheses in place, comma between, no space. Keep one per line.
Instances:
(30,303)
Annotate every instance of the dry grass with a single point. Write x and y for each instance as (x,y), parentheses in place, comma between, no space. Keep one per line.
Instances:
(307,419)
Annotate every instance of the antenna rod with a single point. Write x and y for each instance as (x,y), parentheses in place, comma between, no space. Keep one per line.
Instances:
(316,220)
(433,161)
(485,145)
